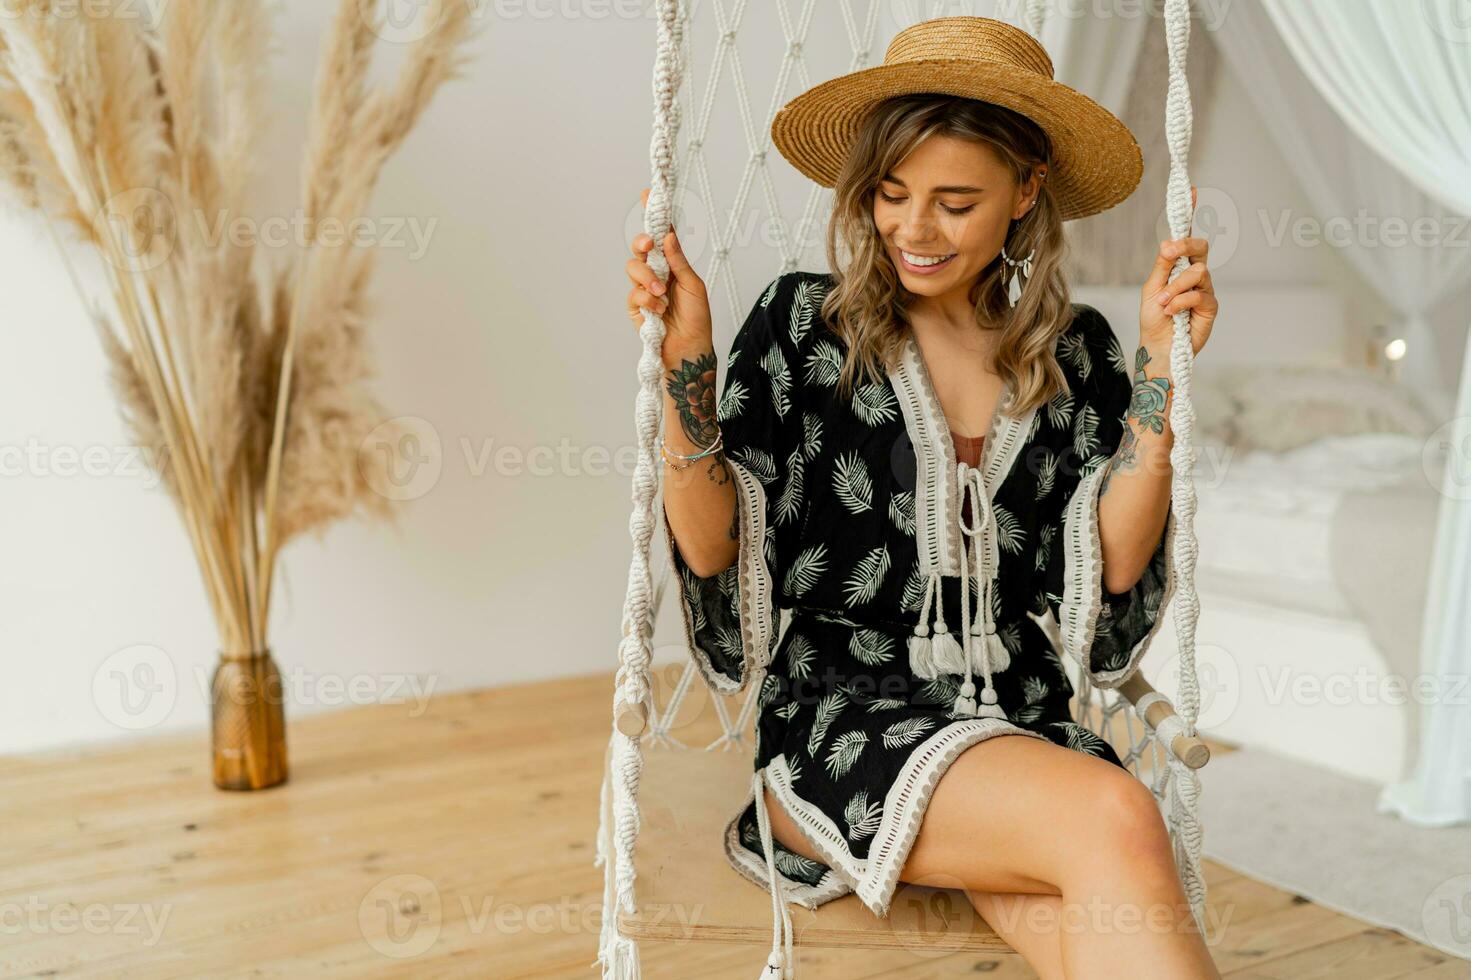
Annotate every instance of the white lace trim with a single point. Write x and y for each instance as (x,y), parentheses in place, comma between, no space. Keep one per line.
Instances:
(937,493)
(1082,595)
(874,879)
(754,583)
(829,887)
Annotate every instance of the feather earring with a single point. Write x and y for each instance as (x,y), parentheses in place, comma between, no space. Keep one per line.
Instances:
(1021,269)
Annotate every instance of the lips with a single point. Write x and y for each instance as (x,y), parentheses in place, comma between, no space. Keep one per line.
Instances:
(925,268)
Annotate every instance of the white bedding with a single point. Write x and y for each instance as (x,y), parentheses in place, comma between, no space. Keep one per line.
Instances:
(1264,520)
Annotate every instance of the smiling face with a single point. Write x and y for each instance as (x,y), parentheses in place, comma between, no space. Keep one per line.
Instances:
(943,213)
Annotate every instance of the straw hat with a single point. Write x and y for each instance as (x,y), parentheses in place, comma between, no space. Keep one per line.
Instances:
(1096,161)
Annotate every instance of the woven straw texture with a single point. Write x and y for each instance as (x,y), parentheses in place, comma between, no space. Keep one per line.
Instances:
(1096,161)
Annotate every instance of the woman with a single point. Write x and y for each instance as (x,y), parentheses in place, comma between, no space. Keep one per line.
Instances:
(929,456)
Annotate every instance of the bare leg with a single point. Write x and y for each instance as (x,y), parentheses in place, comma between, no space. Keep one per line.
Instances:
(1029,924)
(1068,825)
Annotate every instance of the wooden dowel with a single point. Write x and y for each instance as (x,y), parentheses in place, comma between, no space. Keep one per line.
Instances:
(1187,748)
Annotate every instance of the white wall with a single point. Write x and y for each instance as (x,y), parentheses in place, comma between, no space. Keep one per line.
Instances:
(508,331)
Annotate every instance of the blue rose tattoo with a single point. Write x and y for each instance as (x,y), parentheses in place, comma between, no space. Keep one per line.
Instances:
(1147,404)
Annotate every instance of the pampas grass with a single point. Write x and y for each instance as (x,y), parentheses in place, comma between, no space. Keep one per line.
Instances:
(246,385)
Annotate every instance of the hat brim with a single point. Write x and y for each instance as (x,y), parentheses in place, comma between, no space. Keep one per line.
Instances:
(1096,161)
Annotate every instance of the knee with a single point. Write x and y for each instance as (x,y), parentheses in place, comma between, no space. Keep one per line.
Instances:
(1128,834)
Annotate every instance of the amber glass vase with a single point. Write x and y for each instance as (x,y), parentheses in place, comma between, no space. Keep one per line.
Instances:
(248,722)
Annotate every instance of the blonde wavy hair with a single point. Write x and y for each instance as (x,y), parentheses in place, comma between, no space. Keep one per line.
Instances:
(867,305)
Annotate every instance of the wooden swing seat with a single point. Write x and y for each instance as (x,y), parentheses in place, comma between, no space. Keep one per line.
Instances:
(687,891)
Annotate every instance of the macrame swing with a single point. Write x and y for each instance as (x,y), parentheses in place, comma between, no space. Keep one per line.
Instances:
(694,792)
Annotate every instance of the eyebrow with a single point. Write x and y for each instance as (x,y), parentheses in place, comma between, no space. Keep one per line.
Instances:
(951,189)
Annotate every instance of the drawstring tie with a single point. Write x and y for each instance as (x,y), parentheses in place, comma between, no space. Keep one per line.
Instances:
(782,963)
(980,648)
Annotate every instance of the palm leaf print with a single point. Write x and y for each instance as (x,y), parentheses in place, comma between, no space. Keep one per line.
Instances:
(1085,431)
(806,569)
(733,402)
(1046,472)
(883,704)
(913,596)
(803,306)
(1009,533)
(789,501)
(770,687)
(1115,355)
(851,483)
(811,435)
(694,594)
(1034,428)
(901,511)
(1034,690)
(766,297)
(1044,546)
(770,547)
(728,642)
(781,379)
(799,656)
(862,816)
(1073,349)
(1092,464)
(1082,739)
(794,767)
(907,731)
(875,404)
(871,647)
(794,865)
(758,461)
(941,690)
(824,364)
(1060,409)
(868,575)
(787,710)
(846,749)
(827,709)
(826,617)
(725,581)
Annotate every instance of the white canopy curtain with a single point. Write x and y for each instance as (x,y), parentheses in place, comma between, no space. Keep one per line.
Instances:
(1398,75)
(1370,116)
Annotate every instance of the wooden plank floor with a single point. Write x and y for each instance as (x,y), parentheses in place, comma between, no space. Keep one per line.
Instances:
(458,843)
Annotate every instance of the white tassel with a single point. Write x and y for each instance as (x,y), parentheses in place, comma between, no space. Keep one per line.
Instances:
(921,656)
(989,708)
(946,652)
(964,705)
(988,643)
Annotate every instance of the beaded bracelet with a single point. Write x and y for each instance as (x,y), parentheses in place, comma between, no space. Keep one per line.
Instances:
(714,447)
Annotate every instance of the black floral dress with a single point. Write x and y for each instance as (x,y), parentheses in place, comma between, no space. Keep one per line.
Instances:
(913,633)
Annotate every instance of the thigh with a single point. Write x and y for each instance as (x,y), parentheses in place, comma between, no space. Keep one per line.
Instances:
(1010,813)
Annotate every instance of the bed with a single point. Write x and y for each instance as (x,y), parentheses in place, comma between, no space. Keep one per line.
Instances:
(1316,485)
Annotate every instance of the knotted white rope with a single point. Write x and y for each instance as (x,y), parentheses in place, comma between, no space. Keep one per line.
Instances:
(632,686)
(1185,794)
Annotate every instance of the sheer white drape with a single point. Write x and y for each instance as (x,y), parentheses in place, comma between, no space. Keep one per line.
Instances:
(1398,75)
(1368,206)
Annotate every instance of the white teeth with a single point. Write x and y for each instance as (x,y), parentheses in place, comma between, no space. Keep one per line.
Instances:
(922,260)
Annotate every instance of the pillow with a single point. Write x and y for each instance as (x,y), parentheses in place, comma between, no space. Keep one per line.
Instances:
(1277,407)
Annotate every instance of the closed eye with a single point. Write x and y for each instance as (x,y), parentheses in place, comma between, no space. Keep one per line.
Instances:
(899,200)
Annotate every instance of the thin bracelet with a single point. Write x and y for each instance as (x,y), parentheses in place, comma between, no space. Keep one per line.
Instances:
(711,449)
(719,436)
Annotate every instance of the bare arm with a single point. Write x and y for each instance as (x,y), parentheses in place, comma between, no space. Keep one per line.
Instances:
(700,499)
(1134,497)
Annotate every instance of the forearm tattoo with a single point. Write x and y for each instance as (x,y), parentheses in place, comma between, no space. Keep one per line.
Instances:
(692,387)
(1147,404)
